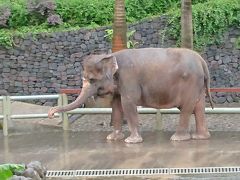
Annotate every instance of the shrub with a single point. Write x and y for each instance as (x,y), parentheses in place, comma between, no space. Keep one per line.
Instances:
(5,13)
(54,20)
(210,20)
(43,7)
(82,12)
(44,10)
(210,17)
(85,13)
(19,14)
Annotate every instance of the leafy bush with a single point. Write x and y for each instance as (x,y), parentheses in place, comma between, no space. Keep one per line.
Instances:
(19,14)
(5,13)
(82,12)
(138,9)
(237,43)
(54,20)
(44,10)
(7,170)
(29,12)
(6,38)
(210,19)
(85,13)
(43,7)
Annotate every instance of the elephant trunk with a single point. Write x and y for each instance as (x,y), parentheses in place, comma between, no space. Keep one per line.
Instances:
(87,91)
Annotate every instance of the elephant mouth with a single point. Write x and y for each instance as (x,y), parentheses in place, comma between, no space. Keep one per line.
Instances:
(110,90)
(103,94)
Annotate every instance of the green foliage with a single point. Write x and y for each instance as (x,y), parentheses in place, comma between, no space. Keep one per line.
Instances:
(19,15)
(210,16)
(6,38)
(130,43)
(138,9)
(85,13)
(237,43)
(7,170)
(7,35)
(210,20)
(109,34)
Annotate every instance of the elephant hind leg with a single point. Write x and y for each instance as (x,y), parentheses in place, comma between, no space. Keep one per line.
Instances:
(201,123)
(182,132)
(130,111)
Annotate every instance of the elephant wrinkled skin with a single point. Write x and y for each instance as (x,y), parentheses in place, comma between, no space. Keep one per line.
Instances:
(150,77)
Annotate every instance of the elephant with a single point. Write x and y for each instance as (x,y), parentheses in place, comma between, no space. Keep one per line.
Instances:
(149,77)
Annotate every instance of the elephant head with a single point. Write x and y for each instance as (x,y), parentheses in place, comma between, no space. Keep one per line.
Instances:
(97,80)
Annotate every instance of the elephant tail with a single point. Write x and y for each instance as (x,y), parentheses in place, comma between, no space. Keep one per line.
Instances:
(207,82)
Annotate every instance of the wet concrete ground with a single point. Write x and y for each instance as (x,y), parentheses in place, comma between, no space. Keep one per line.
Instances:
(89,150)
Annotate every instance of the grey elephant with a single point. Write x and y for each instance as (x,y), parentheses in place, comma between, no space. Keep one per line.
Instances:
(149,77)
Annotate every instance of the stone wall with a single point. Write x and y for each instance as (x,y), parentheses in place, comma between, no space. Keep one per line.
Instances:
(48,62)
(43,64)
(224,66)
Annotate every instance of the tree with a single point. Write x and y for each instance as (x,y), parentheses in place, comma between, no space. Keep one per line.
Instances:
(186,24)
(119,40)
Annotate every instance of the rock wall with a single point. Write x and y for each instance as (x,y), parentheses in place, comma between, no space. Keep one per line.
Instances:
(224,66)
(45,63)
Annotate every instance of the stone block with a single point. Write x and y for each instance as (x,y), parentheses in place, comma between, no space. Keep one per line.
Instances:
(220,100)
(6,70)
(229,99)
(137,36)
(83,46)
(217,57)
(18,84)
(227,60)
(235,65)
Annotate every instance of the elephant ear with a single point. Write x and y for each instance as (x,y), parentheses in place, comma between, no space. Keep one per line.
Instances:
(109,64)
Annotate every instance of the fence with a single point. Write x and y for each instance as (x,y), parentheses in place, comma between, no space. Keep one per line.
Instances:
(63,100)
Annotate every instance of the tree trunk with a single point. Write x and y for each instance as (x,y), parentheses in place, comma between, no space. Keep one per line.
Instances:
(186,24)
(119,40)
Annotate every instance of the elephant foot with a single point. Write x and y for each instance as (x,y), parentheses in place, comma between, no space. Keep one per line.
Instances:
(133,139)
(115,135)
(180,136)
(199,136)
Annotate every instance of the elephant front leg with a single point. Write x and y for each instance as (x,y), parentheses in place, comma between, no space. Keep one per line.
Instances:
(117,118)
(130,112)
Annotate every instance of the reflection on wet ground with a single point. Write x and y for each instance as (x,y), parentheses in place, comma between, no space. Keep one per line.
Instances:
(90,150)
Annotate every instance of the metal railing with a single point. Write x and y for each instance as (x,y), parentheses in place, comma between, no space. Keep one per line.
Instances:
(63,100)
(6,108)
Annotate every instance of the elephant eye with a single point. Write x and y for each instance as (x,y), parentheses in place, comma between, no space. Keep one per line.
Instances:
(92,80)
